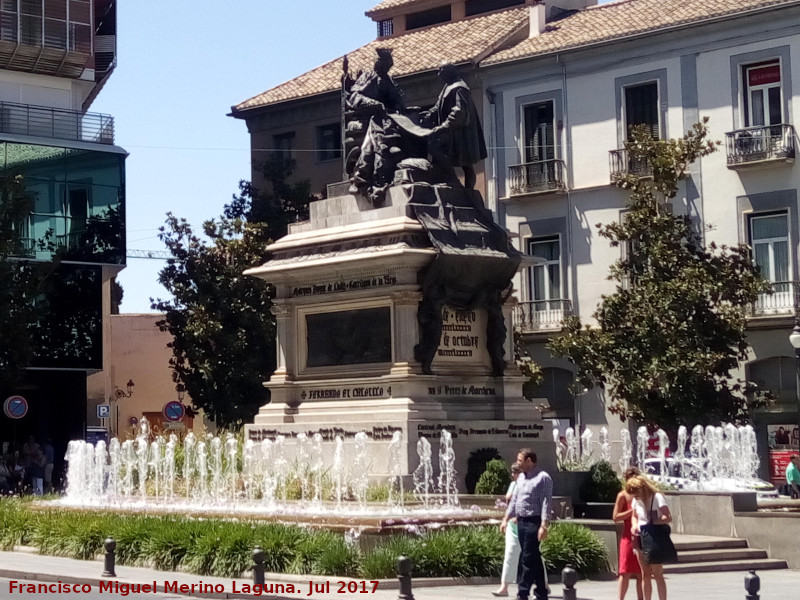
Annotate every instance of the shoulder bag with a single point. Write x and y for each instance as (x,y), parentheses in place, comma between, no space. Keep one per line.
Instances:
(657,545)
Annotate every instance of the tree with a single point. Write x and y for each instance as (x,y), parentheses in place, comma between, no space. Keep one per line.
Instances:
(667,339)
(20,281)
(223,331)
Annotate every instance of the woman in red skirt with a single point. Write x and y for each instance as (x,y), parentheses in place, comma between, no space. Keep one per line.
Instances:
(628,563)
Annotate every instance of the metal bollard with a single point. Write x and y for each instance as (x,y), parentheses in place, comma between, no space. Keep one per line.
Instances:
(258,566)
(752,584)
(404,576)
(110,546)
(569,577)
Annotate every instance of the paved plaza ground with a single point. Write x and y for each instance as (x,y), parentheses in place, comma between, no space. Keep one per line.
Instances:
(781,584)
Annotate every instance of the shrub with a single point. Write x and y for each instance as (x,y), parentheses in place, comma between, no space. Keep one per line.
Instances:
(603,484)
(576,545)
(495,479)
(476,465)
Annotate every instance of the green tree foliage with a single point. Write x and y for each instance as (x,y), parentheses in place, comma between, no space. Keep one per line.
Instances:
(667,338)
(223,330)
(20,281)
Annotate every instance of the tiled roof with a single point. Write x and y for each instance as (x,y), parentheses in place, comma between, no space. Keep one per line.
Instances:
(413,52)
(391,4)
(624,18)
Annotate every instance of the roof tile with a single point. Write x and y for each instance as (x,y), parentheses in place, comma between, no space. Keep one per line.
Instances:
(623,18)
(471,39)
(413,52)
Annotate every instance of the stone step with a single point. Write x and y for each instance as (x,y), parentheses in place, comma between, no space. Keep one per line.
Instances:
(696,556)
(731,565)
(686,543)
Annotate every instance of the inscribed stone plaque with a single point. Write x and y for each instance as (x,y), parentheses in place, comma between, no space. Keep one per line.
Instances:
(349,337)
(463,337)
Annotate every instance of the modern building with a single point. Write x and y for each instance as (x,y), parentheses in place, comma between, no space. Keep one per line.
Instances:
(55,57)
(559,84)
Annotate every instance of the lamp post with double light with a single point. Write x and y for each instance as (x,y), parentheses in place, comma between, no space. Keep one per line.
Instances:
(119,395)
(794,340)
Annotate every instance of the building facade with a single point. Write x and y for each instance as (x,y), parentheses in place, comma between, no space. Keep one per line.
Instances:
(56,56)
(564,102)
(559,84)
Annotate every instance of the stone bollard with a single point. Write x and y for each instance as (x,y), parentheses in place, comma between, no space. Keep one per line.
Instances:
(258,566)
(752,584)
(404,576)
(569,577)
(110,546)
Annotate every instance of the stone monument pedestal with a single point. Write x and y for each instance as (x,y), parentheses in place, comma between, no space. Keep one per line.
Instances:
(348,285)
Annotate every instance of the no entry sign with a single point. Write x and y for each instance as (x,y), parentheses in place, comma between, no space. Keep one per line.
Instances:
(15,407)
(174,411)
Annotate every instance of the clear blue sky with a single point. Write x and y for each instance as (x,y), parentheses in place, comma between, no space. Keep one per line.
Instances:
(181,65)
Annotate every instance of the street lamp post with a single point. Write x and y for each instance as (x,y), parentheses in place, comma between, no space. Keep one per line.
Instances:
(119,395)
(794,340)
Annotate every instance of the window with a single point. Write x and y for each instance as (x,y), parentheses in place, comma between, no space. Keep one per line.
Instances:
(329,142)
(440,14)
(641,108)
(385,27)
(282,146)
(555,386)
(476,7)
(762,96)
(776,374)
(544,280)
(540,132)
(769,238)
(45,23)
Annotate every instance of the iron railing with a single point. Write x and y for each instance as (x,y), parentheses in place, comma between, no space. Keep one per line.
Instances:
(783,301)
(622,164)
(533,177)
(539,315)
(755,144)
(57,123)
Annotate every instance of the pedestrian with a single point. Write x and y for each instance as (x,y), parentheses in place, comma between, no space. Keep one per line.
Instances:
(793,476)
(511,555)
(530,505)
(649,506)
(49,457)
(628,562)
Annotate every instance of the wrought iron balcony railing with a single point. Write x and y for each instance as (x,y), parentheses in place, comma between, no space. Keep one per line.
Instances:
(783,301)
(622,164)
(541,315)
(57,123)
(536,177)
(771,143)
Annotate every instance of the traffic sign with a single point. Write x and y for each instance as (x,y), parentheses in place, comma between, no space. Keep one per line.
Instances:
(15,407)
(103,411)
(174,411)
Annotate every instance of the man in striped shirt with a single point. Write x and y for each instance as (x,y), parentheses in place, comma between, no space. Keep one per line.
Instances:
(530,505)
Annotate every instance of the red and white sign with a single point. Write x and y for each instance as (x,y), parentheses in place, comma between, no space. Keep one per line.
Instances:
(778,461)
(764,75)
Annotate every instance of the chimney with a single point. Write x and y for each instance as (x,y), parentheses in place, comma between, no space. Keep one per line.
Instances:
(537,14)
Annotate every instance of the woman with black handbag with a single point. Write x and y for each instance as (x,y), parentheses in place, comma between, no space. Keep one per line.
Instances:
(651,518)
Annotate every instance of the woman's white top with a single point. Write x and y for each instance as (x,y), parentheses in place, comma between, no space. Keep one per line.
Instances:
(642,510)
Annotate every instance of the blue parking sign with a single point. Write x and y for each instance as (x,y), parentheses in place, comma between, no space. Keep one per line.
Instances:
(103,411)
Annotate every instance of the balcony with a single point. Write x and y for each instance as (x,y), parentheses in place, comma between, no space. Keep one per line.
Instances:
(760,146)
(536,177)
(621,164)
(56,123)
(782,302)
(541,315)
